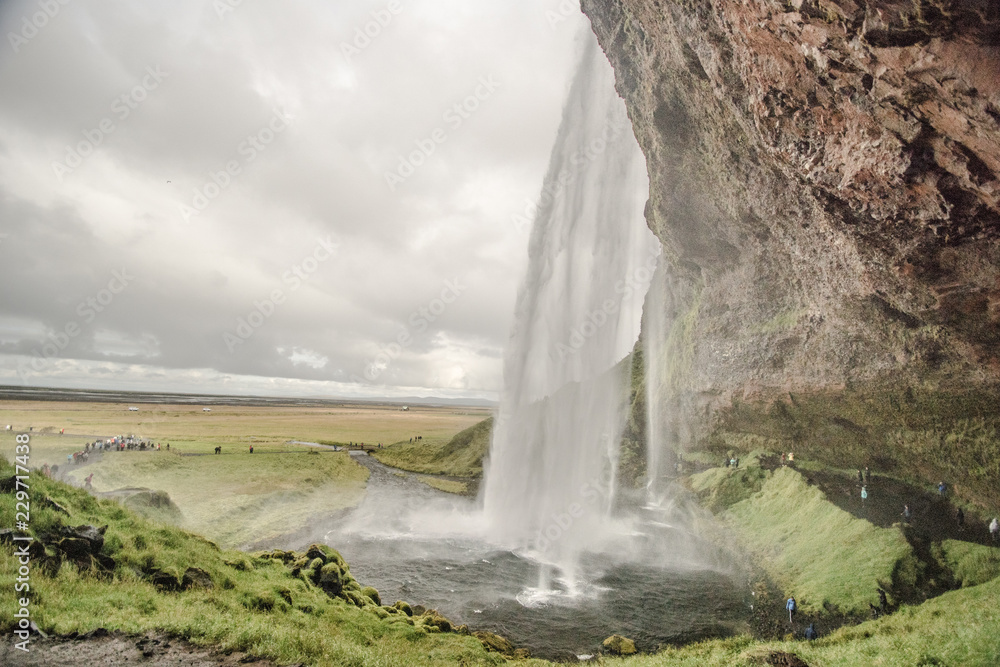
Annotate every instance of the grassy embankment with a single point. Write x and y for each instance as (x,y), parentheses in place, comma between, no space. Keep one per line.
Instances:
(458,456)
(254,604)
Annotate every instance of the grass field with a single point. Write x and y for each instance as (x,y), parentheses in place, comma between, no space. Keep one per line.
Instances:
(460,455)
(234,498)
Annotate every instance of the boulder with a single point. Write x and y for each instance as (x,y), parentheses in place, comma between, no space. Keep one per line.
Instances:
(618,645)
(330,579)
(403,607)
(164,580)
(371,592)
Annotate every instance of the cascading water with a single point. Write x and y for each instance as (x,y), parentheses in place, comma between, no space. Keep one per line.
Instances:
(655,328)
(550,488)
(551,471)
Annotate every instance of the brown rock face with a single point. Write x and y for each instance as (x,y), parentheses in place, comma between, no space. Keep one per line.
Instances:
(824,179)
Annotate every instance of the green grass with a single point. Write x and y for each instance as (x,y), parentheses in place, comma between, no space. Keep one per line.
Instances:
(970,564)
(459,456)
(818,553)
(247,610)
(446,485)
(720,488)
(958,628)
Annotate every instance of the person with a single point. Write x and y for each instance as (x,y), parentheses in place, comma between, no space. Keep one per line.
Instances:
(861,478)
(90,478)
(907,514)
(782,458)
(995,529)
(811,631)
(790,606)
(791,457)
(251,449)
(864,494)
(960,515)
(941,488)
(868,476)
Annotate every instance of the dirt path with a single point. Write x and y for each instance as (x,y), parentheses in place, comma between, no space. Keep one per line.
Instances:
(102,649)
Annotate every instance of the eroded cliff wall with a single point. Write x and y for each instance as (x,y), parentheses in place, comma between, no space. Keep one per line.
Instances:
(824,179)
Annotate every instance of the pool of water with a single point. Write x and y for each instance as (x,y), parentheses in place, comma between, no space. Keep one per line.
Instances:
(416,544)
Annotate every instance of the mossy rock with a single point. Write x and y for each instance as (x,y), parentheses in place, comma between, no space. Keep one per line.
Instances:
(241,564)
(378,611)
(195,577)
(354,598)
(391,610)
(320,551)
(372,592)
(432,618)
(495,643)
(618,645)
(330,579)
(403,607)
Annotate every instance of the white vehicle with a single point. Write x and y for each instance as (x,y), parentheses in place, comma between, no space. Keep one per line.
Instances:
(206,409)
(132,409)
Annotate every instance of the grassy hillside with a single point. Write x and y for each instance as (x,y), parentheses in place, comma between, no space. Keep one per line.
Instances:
(823,556)
(276,605)
(460,456)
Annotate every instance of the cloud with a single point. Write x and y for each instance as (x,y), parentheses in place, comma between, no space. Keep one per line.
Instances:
(86,78)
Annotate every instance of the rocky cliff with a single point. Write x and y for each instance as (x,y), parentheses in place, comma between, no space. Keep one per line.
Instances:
(824,179)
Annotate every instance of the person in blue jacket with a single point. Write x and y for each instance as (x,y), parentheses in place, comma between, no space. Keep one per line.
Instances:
(811,631)
(790,606)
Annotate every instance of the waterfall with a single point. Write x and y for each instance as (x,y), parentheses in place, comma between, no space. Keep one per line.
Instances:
(550,480)
(654,333)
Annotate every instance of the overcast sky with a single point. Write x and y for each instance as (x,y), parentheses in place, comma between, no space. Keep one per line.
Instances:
(297,198)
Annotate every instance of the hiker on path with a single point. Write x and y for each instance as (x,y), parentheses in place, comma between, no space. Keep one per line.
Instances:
(864,494)
(960,515)
(790,606)
(251,449)
(90,478)
(907,514)
(811,631)
(995,529)
(868,476)
(861,478)
(941,489)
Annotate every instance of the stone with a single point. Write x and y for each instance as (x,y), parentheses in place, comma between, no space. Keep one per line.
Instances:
(195,577)
(618,645)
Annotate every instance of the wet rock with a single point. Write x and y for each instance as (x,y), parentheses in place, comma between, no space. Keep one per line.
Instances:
(75,548)
(618,645)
